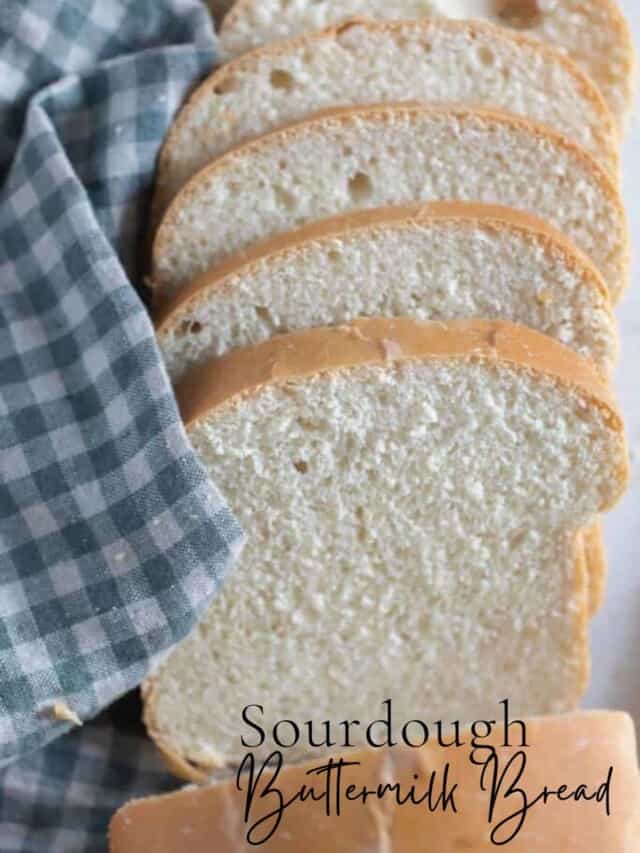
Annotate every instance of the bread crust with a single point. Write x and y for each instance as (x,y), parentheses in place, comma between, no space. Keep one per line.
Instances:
(167,313)
(386,113)
(175,763)
(616,22)
(605,132)
(574,749)
(597,567)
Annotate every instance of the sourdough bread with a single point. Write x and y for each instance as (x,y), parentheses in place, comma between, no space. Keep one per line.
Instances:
(322,442)
(364,157)
(430,60)
(575,749)
(440,261)
(594,34)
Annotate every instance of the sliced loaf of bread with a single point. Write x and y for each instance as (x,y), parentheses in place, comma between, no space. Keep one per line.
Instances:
(430,60)
(440,261)
(594,34)
(572,749)
(413,495)
(357,158)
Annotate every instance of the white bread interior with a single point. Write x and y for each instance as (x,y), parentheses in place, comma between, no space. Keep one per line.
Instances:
(430,60)
(365,157)
(595,34)
(413,495)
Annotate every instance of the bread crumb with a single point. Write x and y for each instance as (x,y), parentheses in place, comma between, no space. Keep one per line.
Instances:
(61,711)
(391,350)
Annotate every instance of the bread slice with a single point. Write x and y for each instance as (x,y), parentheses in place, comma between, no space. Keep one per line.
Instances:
(364,157)
(439,261)
(574,749)
(594,34)
(430,60)
(412,494)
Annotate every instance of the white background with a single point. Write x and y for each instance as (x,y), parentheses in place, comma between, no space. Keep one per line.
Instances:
(616,630)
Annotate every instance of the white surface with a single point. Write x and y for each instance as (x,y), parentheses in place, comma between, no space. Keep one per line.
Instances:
(616,630)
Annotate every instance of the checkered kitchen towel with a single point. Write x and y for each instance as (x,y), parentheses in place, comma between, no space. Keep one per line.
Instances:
(112,539)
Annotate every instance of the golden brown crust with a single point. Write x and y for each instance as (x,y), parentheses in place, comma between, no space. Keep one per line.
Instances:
(220,79)
(582,602)
(470,214)
(385,113)
(573,749)
(597,568)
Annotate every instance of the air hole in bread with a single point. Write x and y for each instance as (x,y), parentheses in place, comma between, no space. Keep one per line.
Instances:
(281,79)
(310,425)
(266,317)
(224,86)
(285,198)
(360,187)
(362,527)
(333,256)
(486,56)
(189,327)
(520,14)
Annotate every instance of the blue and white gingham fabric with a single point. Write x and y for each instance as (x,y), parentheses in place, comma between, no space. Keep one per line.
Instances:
(112,538)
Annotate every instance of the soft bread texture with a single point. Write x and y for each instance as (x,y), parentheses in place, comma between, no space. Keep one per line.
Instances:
(359,158)
(351,589)
(595,34)
(371,62)
(575,749)
(440,261)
